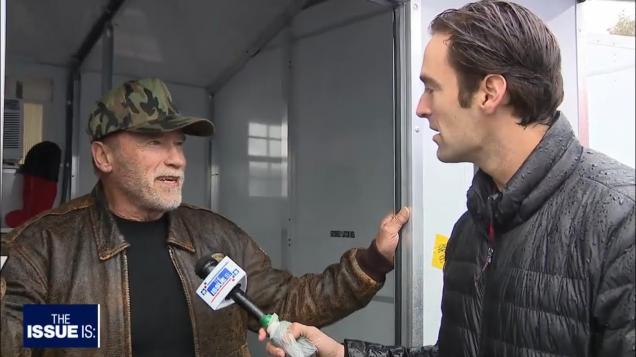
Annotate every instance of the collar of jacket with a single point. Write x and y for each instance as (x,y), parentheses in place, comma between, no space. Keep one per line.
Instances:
(550,163)
(111,242)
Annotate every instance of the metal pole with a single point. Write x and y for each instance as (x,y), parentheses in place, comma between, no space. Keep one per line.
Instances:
(289,218)
(107,58)
(411,247)
(213,177)
(77,127)
(398,67)
(3,28)
(73,76)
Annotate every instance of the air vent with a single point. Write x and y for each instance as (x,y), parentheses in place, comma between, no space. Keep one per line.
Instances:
(13,124)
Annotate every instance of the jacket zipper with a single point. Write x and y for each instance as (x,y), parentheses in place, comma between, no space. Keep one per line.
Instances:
(491,230)
(491,248)
(127,292)
(188,301)
(489,257)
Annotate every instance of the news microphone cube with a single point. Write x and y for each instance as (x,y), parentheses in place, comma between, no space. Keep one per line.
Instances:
(220,281)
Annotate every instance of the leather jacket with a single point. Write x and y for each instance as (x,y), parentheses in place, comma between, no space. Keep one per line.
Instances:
(75,255)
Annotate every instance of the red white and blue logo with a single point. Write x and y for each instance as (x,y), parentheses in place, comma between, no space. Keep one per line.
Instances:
(61,326)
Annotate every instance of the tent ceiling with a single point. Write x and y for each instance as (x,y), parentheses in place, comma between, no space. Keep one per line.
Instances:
(186,41)
(49,31)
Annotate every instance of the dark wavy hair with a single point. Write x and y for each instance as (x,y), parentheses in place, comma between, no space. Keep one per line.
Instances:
(500,37)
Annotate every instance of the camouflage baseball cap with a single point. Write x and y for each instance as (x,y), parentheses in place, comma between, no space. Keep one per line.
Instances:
(143,106)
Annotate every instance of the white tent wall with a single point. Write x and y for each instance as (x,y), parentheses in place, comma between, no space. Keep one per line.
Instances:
(609,73)
(188,99)
(341,124)
(248,150)
(338,94)
(249,155)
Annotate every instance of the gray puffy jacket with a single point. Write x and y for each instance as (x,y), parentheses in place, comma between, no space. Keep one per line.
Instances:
(560,281)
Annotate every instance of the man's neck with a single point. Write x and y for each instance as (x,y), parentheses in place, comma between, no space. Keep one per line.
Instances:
(508,148)
(120,205)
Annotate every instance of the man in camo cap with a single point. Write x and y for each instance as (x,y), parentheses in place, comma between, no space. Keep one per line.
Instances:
(136,135)
(131,246)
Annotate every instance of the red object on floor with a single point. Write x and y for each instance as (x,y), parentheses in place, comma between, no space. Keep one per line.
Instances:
(38,195)
(40,170)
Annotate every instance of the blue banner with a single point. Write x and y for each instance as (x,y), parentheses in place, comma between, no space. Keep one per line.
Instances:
(61,326)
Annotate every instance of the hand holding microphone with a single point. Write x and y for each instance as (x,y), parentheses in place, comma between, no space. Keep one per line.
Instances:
(325,345)
(222,280)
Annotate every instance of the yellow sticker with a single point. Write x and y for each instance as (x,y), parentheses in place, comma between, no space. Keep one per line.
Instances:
(439,251)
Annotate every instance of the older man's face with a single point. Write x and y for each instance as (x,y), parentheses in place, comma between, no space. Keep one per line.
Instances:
(149,169)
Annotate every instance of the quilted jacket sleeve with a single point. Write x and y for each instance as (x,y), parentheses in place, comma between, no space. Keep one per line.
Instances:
(613,307)
(355,348)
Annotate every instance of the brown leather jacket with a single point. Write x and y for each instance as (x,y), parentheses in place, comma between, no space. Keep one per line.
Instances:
(75,255)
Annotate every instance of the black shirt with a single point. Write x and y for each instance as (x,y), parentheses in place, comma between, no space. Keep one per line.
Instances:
(159,312)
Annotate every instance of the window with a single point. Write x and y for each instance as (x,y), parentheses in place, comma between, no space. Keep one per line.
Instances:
(267,151)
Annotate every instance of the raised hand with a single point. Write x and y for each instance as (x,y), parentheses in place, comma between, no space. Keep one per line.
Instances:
(388,236)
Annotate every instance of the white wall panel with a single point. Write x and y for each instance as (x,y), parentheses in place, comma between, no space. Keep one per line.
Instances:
(342,124)
(341,139)
(250,151)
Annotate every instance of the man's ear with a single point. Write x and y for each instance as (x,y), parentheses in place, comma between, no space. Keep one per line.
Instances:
(102,156)
(494,94)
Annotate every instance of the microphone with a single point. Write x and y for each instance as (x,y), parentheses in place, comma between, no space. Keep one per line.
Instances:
(206,264)
(222,280)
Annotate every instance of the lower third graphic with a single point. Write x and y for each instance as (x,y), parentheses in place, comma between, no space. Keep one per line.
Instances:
(61,326)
